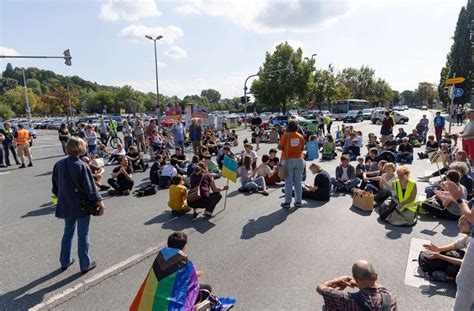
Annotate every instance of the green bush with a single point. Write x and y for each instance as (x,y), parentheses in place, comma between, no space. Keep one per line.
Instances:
(5,111)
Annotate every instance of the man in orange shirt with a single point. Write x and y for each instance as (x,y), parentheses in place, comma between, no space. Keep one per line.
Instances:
(22,140)
(292,145)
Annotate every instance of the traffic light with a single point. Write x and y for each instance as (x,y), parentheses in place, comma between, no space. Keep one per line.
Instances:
(67,57)
(242,99)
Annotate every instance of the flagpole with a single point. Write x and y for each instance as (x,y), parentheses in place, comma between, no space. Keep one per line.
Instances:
(225,199)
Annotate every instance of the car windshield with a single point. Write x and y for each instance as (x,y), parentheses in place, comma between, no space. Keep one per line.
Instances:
(352,112)
(367,110)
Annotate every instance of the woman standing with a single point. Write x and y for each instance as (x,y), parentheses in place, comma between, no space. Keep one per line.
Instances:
(292,145)
(73,183)
(387,126)
(203,179)
(91,138)
(63,133)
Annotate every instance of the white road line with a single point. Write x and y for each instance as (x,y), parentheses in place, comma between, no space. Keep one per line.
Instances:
(94,279)
(45,146)
(4,173)
(412,276)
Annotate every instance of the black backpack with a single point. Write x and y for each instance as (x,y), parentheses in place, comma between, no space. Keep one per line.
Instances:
(364,305)
(431,265)
(146,191)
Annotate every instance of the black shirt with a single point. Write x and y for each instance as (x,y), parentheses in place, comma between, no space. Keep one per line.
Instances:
(256,121)
(323,182)
(8,136)
(467,182)
(405,148)
(355,150)
(273,162)
(391,145)
(432,145)
(121,178)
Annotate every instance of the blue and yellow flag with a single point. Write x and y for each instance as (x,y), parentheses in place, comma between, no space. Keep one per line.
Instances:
(229,169)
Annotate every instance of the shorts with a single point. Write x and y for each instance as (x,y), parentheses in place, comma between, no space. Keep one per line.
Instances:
(385,131)
(23,150)
(468,147)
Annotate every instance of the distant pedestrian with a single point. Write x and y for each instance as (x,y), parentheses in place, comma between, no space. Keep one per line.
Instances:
(2,160)
(90,137)
(467,136)
(127,135)
(140,134)
(439,124)
(63,133)
(72,183)
(178,134)
(387,126)
(459,115)
(8,144)
(195,135)
(22,140)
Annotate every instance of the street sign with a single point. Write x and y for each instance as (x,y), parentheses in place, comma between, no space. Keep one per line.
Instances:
(458,92)
(455,80)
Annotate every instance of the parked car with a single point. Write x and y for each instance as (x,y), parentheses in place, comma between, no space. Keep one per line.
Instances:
(326,113)
(280,120)
(367,113)
(424,107)
(399,118)
(354,116)
(265,121)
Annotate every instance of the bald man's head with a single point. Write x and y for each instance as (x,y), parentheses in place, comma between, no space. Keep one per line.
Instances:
(363,270)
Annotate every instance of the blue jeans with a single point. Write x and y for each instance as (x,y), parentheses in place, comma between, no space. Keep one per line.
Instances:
(294,179)
(128,142)
(345,187)
(82,242)
(407,158)
(179,143)
(91,149)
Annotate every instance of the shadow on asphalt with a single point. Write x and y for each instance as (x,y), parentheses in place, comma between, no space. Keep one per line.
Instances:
(394,232)
(179,223)
(47,209)
(439,289)
(360,212)
(265,223)
(450,227)
(20,299)
(44,174)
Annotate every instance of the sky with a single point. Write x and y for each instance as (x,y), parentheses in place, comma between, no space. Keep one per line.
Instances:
(218,43)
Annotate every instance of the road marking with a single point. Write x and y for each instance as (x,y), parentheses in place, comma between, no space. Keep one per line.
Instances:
(4,173)
(412,275)
(95,279)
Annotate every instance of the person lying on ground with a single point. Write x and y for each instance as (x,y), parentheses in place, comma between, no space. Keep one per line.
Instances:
(449,265)
(122,178)
(177,196)
(345,179)
(364,278)
(321,188)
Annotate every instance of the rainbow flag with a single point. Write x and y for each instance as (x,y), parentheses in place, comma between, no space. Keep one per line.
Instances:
(171,284)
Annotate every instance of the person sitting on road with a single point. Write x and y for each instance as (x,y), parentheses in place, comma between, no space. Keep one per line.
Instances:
(191,166)
(250,153)
(249,182)
(346,178)
(361,167)
(353,150)
(371,160)
(415,139)
(405,152)
(116,154)
(167,172)
(312,149)
(329,149)
(373,143)
(136,160)
(404,192)
(182,159)
(226,152)
(181,171)
(205,181)
(465,180)
(272,163)
(431,146)
(212,166)
(264,169)
(173,268)
(385,182)
(390,144)
(96,166)
(371,180)
(448,265)
(401,134)
(177,196)
(370,293)
(155,170)
(122,178)
(321,188)
(446,207)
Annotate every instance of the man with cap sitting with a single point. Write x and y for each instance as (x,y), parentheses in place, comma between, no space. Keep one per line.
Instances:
(405,152)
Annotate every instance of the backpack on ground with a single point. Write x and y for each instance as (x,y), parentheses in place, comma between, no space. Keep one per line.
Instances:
(146,191)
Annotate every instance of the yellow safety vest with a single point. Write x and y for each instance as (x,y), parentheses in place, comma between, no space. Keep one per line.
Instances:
(411,206)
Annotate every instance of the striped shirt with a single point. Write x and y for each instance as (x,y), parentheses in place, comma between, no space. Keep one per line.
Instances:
(338,300)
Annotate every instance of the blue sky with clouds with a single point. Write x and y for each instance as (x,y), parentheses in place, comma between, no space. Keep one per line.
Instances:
(217,43)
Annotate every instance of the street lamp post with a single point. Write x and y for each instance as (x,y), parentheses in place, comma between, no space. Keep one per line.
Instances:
(156,75)
(245,89)
(28,108)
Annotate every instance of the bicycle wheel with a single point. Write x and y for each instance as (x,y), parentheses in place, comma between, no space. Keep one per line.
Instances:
(114,141)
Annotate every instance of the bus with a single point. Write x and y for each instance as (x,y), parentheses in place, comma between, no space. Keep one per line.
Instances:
(341,107)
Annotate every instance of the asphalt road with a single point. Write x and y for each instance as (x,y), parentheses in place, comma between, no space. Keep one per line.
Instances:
(266,257)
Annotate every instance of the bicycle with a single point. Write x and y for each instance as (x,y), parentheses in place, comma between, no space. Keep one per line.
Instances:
(112,139)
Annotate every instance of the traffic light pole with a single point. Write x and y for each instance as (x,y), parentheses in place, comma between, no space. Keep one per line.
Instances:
(67,57)
(451,94)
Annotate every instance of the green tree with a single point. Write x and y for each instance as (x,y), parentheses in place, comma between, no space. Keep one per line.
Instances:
(212,95)
(35,86)
(15,99)
(426,93)
(292,83)
(7,84)
(407,97)
(5,111)
(324,87)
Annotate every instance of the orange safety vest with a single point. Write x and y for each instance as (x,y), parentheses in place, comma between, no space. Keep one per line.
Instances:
(23,137)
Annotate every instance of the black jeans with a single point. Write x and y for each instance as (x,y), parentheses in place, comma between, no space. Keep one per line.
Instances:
(120,185)
(313,196)
(164,182)
(439,212)
(440,172)
(208,203)
(9,147)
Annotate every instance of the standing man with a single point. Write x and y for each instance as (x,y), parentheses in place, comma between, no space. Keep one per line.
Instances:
(328,121)
(178,134)
(195,135)
(139,134)
(2,161)
(103,131)
(112,127)
(127,135)
(22,140)
(439,123)
(8,144)
(256,122)
(467,136)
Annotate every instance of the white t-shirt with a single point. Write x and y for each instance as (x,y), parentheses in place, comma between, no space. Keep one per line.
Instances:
(345,176)
(390,181)
(468,130)
(119,152)
(251,154)
(169,170)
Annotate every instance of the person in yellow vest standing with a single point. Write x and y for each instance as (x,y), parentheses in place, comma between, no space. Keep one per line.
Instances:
(404,194)
(22,139)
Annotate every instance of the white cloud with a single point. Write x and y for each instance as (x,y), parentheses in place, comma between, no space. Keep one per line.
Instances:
(128,10)
(295,44)
(188,10)
(8,51)
(176,52)
(267,16)
(162,65)
(137,33)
